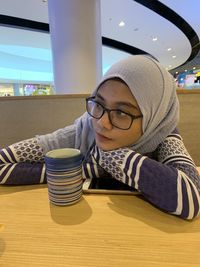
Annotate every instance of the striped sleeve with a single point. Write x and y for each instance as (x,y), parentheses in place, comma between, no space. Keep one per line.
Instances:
(91,169)
(22,163)
(173,153)
(164,185)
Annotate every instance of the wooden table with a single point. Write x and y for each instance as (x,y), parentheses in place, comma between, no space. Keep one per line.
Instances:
(100,230)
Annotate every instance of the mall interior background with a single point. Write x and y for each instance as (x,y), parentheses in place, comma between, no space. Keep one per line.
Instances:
(19,48)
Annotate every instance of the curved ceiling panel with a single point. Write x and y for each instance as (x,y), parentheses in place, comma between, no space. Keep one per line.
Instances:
(141,25)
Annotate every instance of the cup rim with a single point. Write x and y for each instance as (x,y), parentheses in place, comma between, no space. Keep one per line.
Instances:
(63,153)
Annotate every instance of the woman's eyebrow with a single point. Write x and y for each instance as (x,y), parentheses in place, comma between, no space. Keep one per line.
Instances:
(99,96)
(120,103)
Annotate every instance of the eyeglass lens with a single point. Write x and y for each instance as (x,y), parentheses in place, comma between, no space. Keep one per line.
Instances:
(117,118)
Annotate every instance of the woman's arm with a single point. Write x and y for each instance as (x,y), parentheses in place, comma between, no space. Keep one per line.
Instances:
(23,162)
(171,182)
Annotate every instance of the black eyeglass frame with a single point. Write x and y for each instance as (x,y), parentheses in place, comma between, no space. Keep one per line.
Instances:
(133,117)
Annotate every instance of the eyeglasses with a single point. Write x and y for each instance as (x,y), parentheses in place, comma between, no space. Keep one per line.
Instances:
(117,117)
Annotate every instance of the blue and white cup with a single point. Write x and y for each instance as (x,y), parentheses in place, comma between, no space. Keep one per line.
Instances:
(64,176)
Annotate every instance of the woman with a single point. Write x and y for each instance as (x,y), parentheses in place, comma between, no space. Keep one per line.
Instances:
(128,132)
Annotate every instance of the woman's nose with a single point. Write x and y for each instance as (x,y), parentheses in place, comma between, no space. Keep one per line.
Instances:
(104,121)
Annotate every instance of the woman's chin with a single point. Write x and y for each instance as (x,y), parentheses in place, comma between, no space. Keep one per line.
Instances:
(106,147)
(102,147)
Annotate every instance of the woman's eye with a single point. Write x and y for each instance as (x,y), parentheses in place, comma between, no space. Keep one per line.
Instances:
(120,113)
(97,105)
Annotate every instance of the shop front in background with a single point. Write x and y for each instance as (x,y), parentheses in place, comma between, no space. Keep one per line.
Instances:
(30,89)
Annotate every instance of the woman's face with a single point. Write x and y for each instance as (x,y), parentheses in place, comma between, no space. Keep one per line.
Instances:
(114,94)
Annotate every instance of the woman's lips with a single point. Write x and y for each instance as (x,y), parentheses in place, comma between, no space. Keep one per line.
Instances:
(102,138)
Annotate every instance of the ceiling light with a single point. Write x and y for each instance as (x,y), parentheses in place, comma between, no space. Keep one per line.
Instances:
(154,39)
(194,68)
(169,49)
(185,70)
(176,72)
(121,24)
(173,56)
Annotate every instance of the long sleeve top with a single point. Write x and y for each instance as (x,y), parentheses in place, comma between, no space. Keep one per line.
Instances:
(166,177)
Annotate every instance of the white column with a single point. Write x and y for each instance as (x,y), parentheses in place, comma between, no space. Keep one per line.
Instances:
(75,30)
(16,87)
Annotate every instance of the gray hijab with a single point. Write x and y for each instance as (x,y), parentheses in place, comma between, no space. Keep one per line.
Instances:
(155,92)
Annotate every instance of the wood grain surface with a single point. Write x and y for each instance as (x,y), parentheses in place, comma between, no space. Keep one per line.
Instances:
(100,230)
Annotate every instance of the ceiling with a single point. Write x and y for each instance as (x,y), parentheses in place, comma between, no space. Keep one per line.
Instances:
(31,50)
